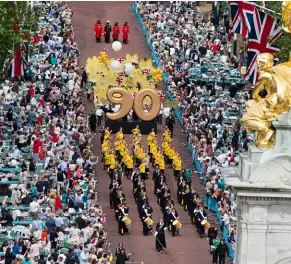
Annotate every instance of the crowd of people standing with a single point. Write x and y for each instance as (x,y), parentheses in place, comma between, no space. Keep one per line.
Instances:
(53,214)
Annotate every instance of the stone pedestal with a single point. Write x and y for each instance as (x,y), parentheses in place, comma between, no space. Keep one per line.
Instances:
(262,186)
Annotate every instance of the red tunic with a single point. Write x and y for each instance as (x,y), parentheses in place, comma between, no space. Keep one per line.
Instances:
(116,31)
(98,30)
(125,32)
(58,203)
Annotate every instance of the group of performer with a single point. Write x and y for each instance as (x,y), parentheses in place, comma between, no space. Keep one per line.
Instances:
(117,198)
(190,201)
(115,30)
(133,161)
(160,157)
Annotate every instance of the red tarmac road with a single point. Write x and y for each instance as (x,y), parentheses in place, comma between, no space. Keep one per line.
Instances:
(186,248)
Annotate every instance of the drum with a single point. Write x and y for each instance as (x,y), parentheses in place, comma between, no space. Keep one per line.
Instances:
(148,221)
(126,221)
(177,224)
(206,224)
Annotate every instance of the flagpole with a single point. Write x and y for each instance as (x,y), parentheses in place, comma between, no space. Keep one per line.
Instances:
(215,16)
(234,43)
(263,7)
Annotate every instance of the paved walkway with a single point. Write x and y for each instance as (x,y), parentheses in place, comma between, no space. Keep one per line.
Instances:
(186,248)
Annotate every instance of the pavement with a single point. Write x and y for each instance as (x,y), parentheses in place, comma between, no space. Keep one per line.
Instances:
(187,248)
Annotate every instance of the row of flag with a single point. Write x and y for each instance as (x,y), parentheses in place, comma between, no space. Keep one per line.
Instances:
(259,28)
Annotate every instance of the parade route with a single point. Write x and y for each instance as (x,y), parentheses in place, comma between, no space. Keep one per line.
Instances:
(185,248)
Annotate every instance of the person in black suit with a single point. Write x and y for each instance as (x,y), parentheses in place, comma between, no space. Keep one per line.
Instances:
(107,31)
(122,212)
(160,236)
(146,212)
(173,217)
(170,122)
(200,215)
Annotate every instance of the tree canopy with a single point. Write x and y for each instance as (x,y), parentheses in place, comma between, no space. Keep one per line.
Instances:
(283,42)
(16,20)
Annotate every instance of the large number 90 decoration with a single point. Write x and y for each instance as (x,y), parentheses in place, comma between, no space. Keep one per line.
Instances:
(126,102)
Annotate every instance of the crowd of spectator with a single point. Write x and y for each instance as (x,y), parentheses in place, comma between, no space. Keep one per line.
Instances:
(50,211)
(203,76)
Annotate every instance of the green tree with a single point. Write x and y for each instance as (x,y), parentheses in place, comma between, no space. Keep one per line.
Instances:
(284,41)
(16,20)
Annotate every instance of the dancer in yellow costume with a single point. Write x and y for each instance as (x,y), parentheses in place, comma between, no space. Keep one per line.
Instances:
(135,131)
(177,165)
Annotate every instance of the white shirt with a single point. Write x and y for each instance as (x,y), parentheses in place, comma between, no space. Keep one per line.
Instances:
(225,219)
(116,108)
(34,206)
(34,250)
(71,84)
(74,232)
(47,74)
(166,111)
(6,89)
(161,109)
(99,112)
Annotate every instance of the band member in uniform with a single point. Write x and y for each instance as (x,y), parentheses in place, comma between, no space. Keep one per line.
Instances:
(193,203)
(98,31)
(119,201)
(113,193)
(107,31)
(141,200)
(160,236)
(186,197)
(173,217)
(122,212)
(116,31)
(180,182)
(147,212)
(125,33)
(199,217)
(156,178)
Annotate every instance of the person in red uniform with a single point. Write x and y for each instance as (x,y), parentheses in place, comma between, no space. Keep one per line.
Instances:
(98,31)
(125,32)
(116,31)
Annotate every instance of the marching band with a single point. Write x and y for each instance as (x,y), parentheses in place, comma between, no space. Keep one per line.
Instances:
(133,161)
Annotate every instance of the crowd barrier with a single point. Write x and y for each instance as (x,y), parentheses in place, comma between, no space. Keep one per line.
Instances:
(209,202)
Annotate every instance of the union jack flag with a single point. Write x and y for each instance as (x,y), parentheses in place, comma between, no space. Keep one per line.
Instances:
(121,74)
(162,96)
(147,72)
(120,59)
(119,80)
(260,29)
(241,14)
(265,30)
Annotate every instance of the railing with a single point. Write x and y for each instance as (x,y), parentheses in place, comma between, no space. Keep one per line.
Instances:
(209,202)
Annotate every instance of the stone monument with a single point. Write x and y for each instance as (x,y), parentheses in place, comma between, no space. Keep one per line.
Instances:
(262,186)
(262,182)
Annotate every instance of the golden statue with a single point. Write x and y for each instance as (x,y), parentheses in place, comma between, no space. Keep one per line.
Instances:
(286,16)
(262,111)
